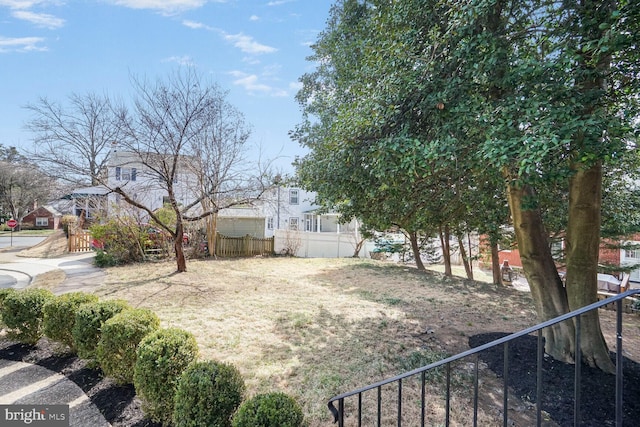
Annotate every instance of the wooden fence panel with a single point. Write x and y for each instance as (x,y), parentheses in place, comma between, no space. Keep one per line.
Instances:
(234,247)
(79,241)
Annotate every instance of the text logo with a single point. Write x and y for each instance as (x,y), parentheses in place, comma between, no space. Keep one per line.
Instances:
(34,415)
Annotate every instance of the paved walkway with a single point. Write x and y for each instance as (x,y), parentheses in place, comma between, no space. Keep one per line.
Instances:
(18,272)
(29,384)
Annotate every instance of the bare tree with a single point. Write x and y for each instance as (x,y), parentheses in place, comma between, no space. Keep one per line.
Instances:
(22,185)
(71,142)
(189,139)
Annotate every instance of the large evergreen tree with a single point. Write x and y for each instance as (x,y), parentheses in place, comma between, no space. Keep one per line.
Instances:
(438,98)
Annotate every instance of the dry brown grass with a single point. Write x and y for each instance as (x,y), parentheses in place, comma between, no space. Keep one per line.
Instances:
(53,246)
(315,328)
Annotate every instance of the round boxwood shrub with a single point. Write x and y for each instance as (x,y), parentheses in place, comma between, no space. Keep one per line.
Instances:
(88,323)
(269,410)
(116,351)
(208,394)
(162,356)
(3,294)
(60,316)
(22,314)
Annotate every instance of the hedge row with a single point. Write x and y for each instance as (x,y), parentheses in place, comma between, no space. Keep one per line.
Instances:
(162,364)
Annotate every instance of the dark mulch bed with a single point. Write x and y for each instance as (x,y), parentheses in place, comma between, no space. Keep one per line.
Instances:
(597,406)
(118,404)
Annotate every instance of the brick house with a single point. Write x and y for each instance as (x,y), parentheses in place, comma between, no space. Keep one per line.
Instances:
(609,255)
(42,218)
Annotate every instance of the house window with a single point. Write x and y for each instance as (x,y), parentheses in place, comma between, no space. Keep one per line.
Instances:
(293,197)
(293,223)
(126,174)
(632,253)
(42,221)
(270,223)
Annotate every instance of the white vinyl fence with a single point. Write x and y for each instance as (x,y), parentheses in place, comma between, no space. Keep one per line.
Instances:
(316,245)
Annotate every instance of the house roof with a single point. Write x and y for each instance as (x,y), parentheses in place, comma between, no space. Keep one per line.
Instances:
(98,190)
(49,208)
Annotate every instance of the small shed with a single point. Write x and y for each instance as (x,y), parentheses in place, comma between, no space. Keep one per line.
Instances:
(42,218)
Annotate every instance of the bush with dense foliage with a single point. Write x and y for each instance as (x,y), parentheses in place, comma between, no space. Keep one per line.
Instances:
(3,294)
(88,323)
(105,259)
(208,394)
(23,314)
(116,351)
(162,356)
(60,316)
(122,242)
(269,410)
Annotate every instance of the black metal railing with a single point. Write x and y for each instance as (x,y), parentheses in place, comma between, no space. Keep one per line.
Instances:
(339,412)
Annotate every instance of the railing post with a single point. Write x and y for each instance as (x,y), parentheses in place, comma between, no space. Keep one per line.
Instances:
(540,359)
(399,402)
(577,374)
(476,380)
(619,363)
(505,393)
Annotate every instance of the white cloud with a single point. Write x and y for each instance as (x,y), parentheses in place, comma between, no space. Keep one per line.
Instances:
(251,83)
(279,2)
(21,44)
(248,45)
(25,4)
(196,25)
(164,6)
(184,60)
(40,19)
(254,18)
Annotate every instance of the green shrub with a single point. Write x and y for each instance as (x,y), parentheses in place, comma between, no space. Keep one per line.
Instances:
(88,323)
(60,316)
(22,314)
(105,259)
(123,242)
(116,351)
(162,356)
(3,294)
(269,410)
(208,394)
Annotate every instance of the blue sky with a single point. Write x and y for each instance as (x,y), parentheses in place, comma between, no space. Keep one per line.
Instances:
(255,49)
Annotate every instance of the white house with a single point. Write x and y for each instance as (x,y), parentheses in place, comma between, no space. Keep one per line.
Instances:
(286,213)
(127,171)
(282,208)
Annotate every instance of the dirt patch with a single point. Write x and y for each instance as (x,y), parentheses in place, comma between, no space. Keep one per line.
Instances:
(54,246)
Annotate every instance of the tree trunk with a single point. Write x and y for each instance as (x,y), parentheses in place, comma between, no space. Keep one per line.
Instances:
(446,250)
(582,249)
(212,230)
(495,264)
(415,247)
(548,293)
(465,259)
(179,249)
(585,187)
